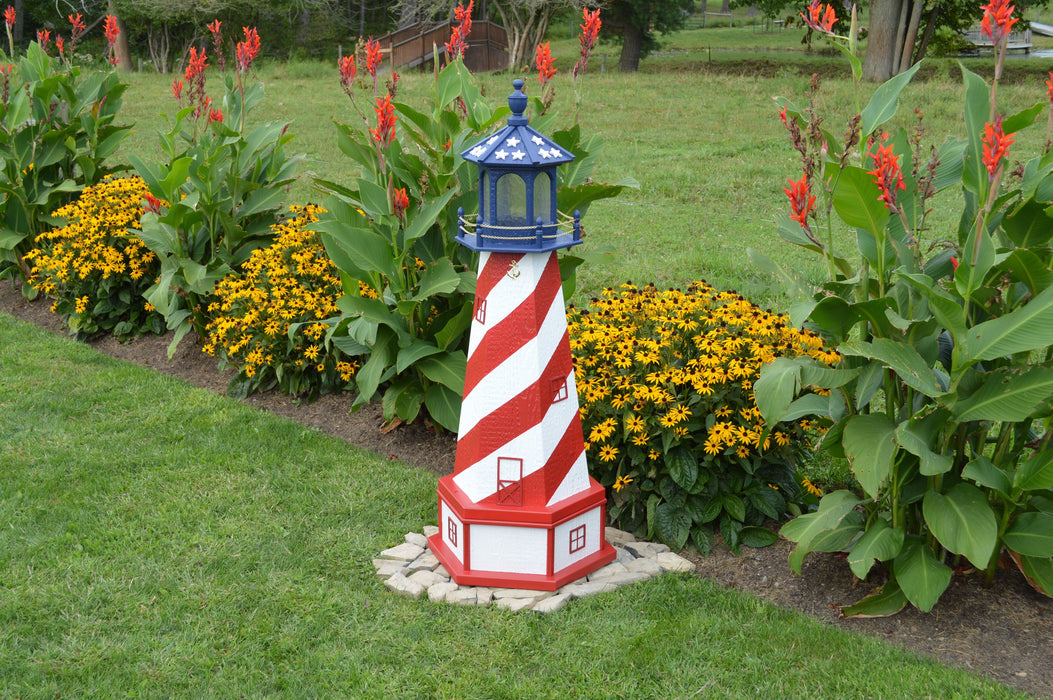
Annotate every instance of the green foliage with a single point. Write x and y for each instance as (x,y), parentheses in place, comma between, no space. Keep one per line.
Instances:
(56,131)
(224,187)
(665,381)
(392,232)
(95,267)
(941,402)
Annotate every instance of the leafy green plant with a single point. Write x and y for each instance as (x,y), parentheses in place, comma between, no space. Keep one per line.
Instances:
(224,188)
(56,132)
(941,402)
(96,267)
(665,381)
(393,231)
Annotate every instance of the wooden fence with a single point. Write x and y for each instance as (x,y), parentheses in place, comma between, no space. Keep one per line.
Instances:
(416,46)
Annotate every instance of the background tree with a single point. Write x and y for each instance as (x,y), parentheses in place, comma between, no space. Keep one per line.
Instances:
(637,22)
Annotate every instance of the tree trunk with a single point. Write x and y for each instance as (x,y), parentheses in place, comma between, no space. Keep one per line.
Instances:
(725,6)
(883,41)
(907,54)
(120,47)
(930,28)
(632,45)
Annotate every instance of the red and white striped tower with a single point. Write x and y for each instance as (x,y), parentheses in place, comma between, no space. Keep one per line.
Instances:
(520,509)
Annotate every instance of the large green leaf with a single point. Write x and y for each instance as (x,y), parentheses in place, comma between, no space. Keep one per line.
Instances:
(1036,474)
(879,543)
(1039,573)
(870,444)
(947,309)
(424,219)
(757,537)
(1031,534)
(804,529)
(885,602)
(922,578)
(417,350)
(856,201)
(930,463)
(683,466)
(963,522)
(1023,330)
(673,525)
(375,198)
(883,104)
(774,390)
(1029,226)
(1007,395)
(444,406)
(447,369)
(983,471)
(439,278)
(901,358)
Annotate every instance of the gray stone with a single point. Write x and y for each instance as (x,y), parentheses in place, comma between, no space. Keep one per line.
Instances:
(626,578)
(400,584)
(441,571)
(387,567)
(425,562)
(462,596)
(673,562)
(484,594)
(438,592)
(606,571)
(552,604)
(417,539)
(645,566)
(658,547)
(580,590)
(520,594)
(426,578)
(514,604)
(640,549)
(405,552)
(618,537)
(624,556)
(430,530)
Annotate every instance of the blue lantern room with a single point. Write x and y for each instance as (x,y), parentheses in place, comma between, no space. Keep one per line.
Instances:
(517,189)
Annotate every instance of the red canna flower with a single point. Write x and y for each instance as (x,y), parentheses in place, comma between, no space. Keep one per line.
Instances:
(373,57)
(782,114)
(347,72)
(217,42)
(60,44)
(819,20)
(998,20)
(112,30)
(9,16)
(1049,87)
(587,39)
(888,176)
(399,202)
(996,143)
(248,49)
(177,90)
(44,38)
(215,116)
(802,201)
(385,131)
(195,80)
(543,62)
(462,26)
(954,263)
(152,203)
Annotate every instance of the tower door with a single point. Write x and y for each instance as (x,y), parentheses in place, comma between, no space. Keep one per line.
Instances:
(509,481)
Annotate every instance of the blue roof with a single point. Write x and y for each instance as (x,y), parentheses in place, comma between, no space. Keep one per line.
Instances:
(517,145)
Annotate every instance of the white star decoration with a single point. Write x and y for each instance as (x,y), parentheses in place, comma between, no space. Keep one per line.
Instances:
(554,152)
(493,139)
(478,151)
(544,153)
(501,155)
(538,141)
(518,155)
(513,142)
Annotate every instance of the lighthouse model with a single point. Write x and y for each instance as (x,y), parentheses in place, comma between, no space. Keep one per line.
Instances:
(520,509)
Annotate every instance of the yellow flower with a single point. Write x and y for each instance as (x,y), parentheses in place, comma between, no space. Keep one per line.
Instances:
(608,453)
(621,482)
(811,488)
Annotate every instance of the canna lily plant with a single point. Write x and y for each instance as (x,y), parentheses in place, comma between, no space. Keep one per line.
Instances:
(408,285)
(942,401)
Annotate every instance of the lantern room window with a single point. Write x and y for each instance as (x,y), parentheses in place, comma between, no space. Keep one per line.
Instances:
(511,201)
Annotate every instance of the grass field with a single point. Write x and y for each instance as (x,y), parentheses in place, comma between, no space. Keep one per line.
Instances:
(158,540)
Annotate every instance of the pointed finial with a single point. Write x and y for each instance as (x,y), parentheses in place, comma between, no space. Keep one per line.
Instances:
(517,102)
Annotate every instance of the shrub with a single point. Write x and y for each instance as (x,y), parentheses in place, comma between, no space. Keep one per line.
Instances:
(665,380)
(58,132)
(95,267)
(268,317)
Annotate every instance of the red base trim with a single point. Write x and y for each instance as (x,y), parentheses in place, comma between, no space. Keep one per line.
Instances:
(497,579)
(493,514)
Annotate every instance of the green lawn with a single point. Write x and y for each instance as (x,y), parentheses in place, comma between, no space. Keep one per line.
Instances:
(159,540)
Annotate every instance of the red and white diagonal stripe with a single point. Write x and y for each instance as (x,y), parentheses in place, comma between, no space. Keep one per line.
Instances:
(517,359)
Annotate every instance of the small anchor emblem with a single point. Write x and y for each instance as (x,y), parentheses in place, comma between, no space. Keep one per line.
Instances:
(513,270)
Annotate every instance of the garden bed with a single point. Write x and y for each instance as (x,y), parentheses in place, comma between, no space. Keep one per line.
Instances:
(1005,633)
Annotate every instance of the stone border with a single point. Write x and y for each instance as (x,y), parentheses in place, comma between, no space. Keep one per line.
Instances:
(411,569)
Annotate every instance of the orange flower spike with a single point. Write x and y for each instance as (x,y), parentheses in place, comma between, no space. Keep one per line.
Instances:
(817,19)
(587,39)
(888,175)
(373,56)
(802,201)
(998,20)
(462,27)
(399,202)
(248,50)
(384,134)
(1049,88)
(77,22)
(347,72)
(543,62)
(9,16)
(111,30)
(996,143)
